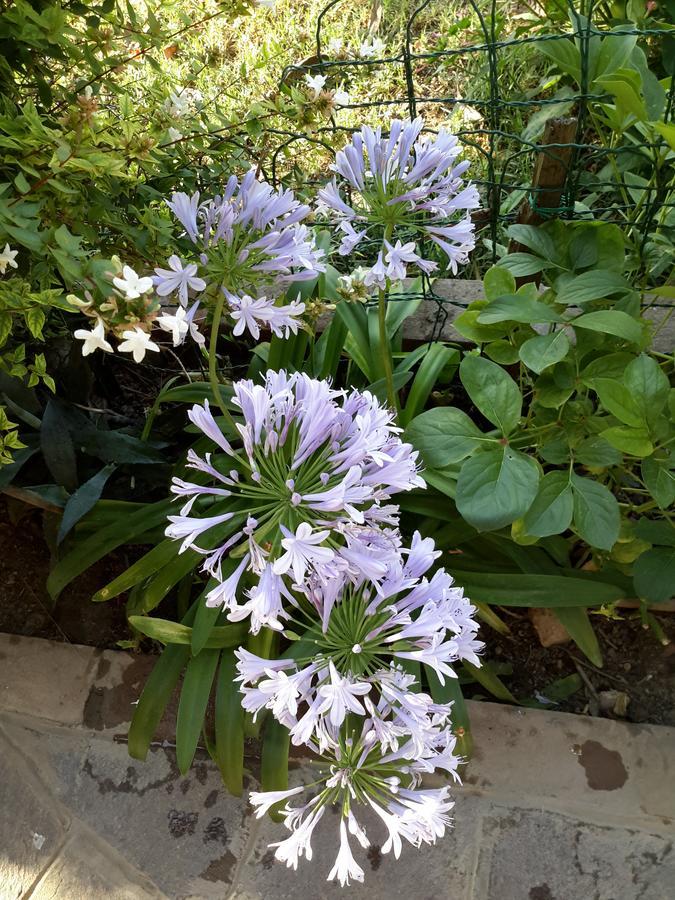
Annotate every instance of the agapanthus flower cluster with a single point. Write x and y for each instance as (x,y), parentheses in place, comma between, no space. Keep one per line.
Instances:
(294,520)
(304,496)
(249,244)
(399,189)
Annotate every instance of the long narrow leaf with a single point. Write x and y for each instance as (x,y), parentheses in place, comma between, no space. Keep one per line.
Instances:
(84,498)
(97,545)
(432,365)
(274,763)
(485,676)
(168,632)
(535,590)
(143,568)
(581,631)
(229,749)
(194,698)
(451,692)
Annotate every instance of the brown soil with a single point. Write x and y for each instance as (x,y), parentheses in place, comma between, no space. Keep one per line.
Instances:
(25,606)
(635,664)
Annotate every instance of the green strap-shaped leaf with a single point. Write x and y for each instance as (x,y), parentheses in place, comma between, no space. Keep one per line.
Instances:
(425,379)
(101,542)
(486,677)
(168,632)
(274,764)
(194,698)
(83,500)
(168,577)
(556,591)
(581,631)
(150,563)
(229,749)
(205,620)
(156,694)
(451,692)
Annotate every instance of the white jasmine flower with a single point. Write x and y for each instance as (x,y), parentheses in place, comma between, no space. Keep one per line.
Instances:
(137,342)
(341,97)
(374,47)
(315,83)
(131,284)
(94,339)
(180,324)
(7,258)
(335,45)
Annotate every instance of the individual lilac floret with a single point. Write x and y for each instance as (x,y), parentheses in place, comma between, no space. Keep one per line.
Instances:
(359,777)
(356,636)
(406,186)
(314,473)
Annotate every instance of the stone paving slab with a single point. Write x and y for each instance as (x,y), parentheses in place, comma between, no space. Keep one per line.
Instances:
(554,807)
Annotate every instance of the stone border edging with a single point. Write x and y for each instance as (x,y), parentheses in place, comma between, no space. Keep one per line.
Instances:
(602,769)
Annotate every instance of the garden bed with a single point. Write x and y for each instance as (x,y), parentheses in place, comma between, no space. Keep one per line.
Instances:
(635,663)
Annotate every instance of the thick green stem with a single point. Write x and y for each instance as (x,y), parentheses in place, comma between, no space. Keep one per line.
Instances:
(213,361)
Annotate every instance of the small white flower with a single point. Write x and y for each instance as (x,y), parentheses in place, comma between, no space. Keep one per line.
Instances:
(174,134)
(340,97)
(175,324)
(131,284)
(371,48)
(345,866)
(302,551)
(94,339)
(7,258)
(137,342)
(315,83)
(334,46)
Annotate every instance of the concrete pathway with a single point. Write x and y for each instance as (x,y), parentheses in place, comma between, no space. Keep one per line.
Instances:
(554,807)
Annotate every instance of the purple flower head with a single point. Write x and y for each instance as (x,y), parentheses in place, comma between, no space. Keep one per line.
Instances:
(359,777)
(407,186)
(368,614)
(313,473)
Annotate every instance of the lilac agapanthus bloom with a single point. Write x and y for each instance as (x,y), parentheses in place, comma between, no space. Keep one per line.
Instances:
(250,244)
(314,474)
(359,632)
(407,186)
(360,777)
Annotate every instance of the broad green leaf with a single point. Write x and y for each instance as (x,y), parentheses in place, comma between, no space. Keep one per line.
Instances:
(486,677)
(535,238)
(596,513)
(551,511)
(611,321)
(468,326)
(274,762)
(444,435)
(564,54)
(608,365)
(593,285)
(648,387)
(654,574)
(506,589)
(94,547)
(538,353)
(517,309)
(617,399)
(522,264)
(194,698)
(624,86)
(614,53)
(501,352)
(497,282)
(596,453)
(229,722)
(492,391)
(658,475)
(634,441)
(84,498)
(578,625)
(496,487)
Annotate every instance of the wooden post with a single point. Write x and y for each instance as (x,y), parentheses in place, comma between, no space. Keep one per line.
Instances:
(548,181)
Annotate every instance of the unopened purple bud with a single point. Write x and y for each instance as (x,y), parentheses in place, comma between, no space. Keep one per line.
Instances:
(296,499)
(255,476)
(290,484)
(324,478)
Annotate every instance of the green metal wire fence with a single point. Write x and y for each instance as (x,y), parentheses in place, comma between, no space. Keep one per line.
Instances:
(625,176)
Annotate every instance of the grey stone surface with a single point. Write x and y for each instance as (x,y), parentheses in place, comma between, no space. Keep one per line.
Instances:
(31,828)
(540,855)
(554,807)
